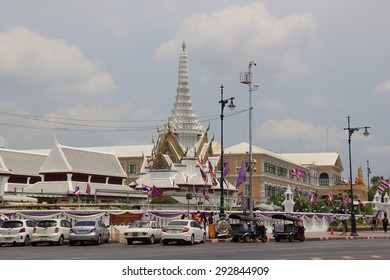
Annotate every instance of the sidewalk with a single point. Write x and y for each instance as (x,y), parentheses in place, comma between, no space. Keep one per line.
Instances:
(322,236)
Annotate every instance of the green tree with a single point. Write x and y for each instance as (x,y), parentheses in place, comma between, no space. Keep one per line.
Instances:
(165,199)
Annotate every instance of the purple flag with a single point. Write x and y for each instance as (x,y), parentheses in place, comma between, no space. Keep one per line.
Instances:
(88,191)
(157,192)
(227,170)
(242,175)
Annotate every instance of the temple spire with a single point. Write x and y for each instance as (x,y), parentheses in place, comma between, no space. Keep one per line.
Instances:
(183,121)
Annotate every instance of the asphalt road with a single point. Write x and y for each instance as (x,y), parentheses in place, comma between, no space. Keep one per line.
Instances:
(360,249)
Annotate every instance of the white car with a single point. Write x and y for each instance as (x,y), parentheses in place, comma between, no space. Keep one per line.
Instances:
(183,231)
(148,232)
(16,232)
(51,231)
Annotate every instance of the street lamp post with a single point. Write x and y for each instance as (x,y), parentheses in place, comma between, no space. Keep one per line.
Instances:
(351,130)
(231,106)
(368,175)
(246,78)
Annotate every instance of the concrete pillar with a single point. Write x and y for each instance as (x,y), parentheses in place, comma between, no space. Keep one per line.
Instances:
(288,202)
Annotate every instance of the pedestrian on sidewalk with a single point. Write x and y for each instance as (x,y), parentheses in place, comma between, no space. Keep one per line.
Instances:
(344,225)
(373,224)
(385,223)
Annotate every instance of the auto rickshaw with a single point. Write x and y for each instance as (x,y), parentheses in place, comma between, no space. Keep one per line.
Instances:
(248,229)
(291,228)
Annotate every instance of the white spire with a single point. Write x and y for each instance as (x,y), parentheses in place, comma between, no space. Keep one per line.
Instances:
(183,121)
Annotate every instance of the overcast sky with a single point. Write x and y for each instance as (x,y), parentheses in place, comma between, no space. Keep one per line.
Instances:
(101,73)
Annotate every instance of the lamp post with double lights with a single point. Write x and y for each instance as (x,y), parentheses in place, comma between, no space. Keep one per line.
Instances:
(231,106)
(351,130)
(246,78)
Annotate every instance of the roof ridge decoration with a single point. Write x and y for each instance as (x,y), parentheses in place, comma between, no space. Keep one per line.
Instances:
(160,163)
(183,121)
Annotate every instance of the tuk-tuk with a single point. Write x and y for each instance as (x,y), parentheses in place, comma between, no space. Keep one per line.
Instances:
(248,229)
(291,228)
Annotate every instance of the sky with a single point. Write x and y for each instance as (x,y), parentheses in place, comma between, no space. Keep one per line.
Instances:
(103,73)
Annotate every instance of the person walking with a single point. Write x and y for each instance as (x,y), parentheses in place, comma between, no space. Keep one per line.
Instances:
(385,223)
(373,223)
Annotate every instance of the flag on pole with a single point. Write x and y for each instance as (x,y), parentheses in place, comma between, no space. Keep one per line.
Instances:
(212,173)
(145,189)
(361,203)
(202,171)
(88,190)
(4,217)
(227,170)
(76,190)
(206,194)
(299,173)
(312,198)
(381,189)
(330,199)
(157,192)
(242,175)
(384,184)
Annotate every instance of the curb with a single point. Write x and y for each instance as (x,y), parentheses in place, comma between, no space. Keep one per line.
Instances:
(323,238)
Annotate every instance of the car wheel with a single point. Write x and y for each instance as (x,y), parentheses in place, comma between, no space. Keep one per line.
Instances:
(33,244)
(99,240)
(192,241)
(61,240)
(235,238)
(26,240)
(290,238)
(129,241)
(247,238)
(302,239)
(165,242)
(72,242)
(151,239)
(108,238)
(277,239)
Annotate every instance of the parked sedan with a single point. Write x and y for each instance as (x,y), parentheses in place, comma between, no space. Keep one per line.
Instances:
(51,231)
(183,231)
(16,232)
(146,231)
(89,231)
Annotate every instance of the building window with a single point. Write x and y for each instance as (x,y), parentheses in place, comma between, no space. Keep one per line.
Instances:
(324,179)
(132,168)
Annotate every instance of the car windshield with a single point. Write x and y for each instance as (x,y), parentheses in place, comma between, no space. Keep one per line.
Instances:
(85,223)
(139,225)
(12,224)
(178,223)
(47,224)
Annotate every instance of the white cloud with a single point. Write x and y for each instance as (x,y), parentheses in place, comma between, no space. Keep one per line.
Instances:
(383,87)
(31,64)
(378,149)
(117,25)
(317,101)
(236,34)
(289,132)
(272,104)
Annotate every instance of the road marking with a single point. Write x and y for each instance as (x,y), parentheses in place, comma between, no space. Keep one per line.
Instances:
(376,256)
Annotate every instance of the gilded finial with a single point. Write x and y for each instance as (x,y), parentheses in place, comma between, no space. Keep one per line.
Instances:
(184,46)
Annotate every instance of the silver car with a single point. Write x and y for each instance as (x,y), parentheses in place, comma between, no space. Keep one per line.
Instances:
(16,232)
(89,231)
(183,231)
